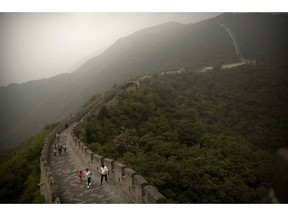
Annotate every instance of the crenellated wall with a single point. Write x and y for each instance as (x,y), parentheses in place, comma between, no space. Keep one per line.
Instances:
(129,180)
(132,183)
(48,185)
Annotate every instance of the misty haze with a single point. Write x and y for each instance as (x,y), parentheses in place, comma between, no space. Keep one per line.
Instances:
(42,45)
(160,107)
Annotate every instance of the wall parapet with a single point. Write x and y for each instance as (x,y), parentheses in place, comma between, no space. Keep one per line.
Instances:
(128,179)
(48,184)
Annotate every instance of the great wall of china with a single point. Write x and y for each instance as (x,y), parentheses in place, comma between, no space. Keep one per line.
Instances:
(127,179)
(237,49)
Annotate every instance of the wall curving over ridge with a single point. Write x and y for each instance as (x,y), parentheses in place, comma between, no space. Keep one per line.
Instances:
(132,183)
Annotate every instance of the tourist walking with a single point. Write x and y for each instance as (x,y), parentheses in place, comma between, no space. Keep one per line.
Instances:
(80,174)
(88,175)
(57,137)
(104,173)
(54,149)
(59,147)
(64,148)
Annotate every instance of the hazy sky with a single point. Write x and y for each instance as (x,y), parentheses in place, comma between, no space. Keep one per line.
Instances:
(42,45)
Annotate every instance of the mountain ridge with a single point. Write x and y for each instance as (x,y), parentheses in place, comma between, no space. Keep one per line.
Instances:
(27,108)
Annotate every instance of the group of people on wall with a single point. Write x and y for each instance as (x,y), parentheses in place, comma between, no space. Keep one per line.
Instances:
(58,146)
(88,175)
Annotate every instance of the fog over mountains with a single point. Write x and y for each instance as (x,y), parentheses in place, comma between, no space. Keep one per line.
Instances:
(27,108)
(41,45)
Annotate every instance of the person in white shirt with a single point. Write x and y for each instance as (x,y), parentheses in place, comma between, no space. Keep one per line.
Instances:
(104,173)
(57,137)
(88,175)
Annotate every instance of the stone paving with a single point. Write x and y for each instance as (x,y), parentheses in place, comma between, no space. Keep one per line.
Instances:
(65,167)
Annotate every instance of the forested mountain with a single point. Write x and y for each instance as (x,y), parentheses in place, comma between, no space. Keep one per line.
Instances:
(27,108)
(199,137)
(20,171)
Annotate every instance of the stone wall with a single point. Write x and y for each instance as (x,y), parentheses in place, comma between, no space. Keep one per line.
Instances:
(131,182)
(48,185)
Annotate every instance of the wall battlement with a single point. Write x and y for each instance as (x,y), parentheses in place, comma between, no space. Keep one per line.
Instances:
(132,183)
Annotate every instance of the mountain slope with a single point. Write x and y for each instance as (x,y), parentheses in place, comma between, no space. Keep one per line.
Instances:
(199,137)
(27,108)
(261,36)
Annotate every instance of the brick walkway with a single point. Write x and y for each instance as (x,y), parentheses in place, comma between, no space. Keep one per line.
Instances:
(65,167)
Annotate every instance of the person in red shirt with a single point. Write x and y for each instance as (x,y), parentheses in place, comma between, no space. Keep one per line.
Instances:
(80,174)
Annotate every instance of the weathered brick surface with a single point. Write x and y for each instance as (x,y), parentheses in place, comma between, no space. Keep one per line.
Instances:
(128,184)
(152,195)
(97,161)
(118,172)
(140,183)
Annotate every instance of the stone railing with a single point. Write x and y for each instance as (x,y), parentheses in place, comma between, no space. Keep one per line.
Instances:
(132,183)
(48,186)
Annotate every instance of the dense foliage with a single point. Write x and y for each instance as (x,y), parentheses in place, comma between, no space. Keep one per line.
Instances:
(170,46)
(199,137)
(20,172)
